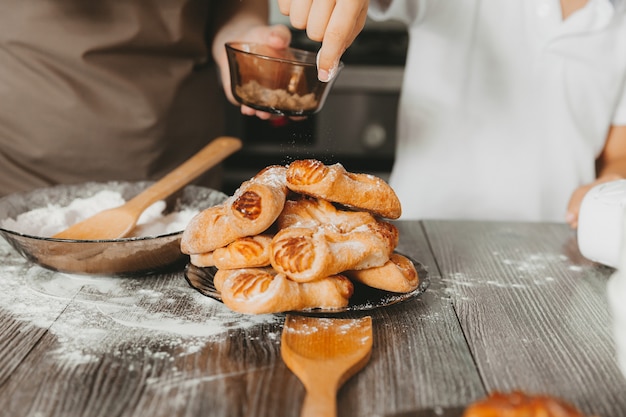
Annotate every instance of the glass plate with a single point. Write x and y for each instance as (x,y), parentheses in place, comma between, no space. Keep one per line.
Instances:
(364,298)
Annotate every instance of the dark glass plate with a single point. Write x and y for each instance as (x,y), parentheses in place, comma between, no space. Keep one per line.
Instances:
(364,299)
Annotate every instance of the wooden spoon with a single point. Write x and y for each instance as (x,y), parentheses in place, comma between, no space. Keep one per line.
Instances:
(118,222)
(324,353)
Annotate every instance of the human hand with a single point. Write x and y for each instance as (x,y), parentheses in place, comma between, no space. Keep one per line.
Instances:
(277,36)
(335,23)
(573,207)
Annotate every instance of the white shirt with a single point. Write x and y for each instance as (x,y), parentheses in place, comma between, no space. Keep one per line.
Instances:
(504,106)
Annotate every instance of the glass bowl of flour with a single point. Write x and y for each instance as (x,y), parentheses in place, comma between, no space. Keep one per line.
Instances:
(28,220)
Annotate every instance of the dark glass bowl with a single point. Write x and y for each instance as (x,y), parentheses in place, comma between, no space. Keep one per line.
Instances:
(281,82)
(126,256)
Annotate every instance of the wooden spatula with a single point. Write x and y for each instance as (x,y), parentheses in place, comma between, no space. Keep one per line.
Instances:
(118,222)
(324,353)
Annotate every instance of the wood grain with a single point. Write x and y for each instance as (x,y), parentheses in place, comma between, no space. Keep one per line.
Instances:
(509,306)
(532,310)
(420,358)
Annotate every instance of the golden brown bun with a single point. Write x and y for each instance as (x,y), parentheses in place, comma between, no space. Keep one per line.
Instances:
(202,260)
(334,183)
(263,291)
(249,211)
(519,404)
(313,212)
(245,252)
(308,253)
(396,275)
(284,239)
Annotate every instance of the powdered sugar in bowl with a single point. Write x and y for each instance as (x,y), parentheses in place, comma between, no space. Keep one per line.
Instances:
(27,220)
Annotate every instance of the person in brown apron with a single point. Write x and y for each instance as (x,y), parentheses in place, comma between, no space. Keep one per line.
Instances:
(114,90)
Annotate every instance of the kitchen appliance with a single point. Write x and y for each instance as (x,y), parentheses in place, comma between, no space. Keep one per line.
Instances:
(356,127)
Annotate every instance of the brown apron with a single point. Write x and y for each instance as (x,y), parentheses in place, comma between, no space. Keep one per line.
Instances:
(103,90)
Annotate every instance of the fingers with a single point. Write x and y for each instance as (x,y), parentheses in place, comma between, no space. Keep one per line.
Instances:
(335,23)
(576,200)
(318,19)
(339,34)
(299,12)
(279,37)
(571,217)
(249,111)
(573,207)
(284,6)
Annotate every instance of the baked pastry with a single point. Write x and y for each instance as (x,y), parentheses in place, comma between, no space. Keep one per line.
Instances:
(202,260)
(264,291)
(251,210)
(398,274)
(520,404)
(334,183)
(308,253)
(245,252)
(313,212)
(287,237)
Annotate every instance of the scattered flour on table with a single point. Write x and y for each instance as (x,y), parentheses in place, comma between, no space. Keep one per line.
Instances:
(49,220)
(113,315)
(532,270)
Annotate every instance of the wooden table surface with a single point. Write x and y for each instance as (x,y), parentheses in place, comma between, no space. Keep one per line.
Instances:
(510,306)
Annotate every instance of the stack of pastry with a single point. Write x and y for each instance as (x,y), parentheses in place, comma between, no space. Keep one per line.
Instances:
(297,237)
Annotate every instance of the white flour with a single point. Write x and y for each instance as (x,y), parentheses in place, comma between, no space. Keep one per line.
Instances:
(112,315)
(531,271)
(49,220)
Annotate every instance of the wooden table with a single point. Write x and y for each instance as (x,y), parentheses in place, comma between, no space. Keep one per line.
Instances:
(510,306)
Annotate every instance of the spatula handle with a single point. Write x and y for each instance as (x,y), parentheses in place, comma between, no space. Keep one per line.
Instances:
(209,156)
(320,401)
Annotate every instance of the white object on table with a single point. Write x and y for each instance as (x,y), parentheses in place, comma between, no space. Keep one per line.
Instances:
(600,222)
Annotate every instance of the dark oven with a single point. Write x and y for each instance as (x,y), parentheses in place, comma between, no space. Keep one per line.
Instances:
(356,126)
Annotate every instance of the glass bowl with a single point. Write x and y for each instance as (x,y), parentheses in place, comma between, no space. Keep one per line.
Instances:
(126,256)
(276,81)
